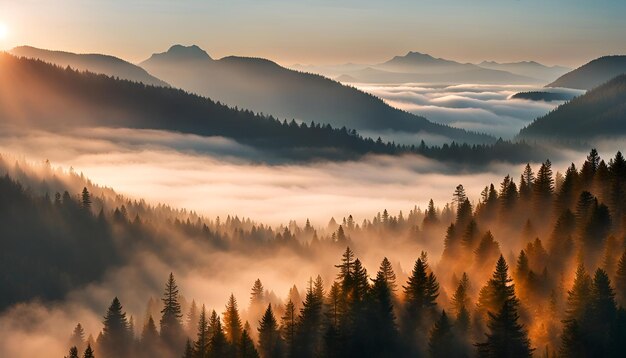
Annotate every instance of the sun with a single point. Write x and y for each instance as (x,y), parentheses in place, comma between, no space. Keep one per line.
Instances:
(4,31)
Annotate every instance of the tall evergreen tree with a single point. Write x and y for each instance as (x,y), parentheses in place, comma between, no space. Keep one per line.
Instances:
(192,318)
(201,344)
(270,343)
(506,337)
(88,352)
(443,341)
(420,295)
(171,326)
(115,334)
(73,353)
(246,347)
(460,304)
(188,350)
(288,327)
(308,334)
(218,346)
(78,338)
(86,199)
(620,280)
(232,321)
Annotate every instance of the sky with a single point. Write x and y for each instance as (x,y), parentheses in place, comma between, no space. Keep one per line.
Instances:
(566,32)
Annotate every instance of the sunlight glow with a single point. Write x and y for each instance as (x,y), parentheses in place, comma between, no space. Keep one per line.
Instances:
(4,31)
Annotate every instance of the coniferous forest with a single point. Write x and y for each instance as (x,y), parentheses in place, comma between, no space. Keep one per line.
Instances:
(536,267)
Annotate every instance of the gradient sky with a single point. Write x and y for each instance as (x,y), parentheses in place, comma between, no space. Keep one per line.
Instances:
(568,32)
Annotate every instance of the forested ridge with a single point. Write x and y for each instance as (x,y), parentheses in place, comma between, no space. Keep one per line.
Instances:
(599,113)
(536,267)
(43,96)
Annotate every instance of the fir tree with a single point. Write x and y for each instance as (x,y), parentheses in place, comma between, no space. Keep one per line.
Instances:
(506,337)
(270,343)
(232,321)
(246,347)
(420,295)
(88,352)
(218,346)
(257,294)
(171,326)
(460,304)
(192,318)
(288,327)
(201,344)
(78,338)
(620,280)
(442,341)
(86,199)
(73,352)
(188,350)
(115,334)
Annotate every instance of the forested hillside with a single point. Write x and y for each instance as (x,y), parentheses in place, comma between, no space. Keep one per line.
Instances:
(38,95)
(264,86)
(599,112)
(592,74)
(537,264)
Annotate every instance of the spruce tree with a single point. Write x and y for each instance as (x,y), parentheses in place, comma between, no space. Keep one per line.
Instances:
(381,314)
(149,342)
(201,344)
(115,334)
(86,199)
(460,304)
(308,333)
(188,350)
(257,294)
(78,337)
(620,280)
(420,295)
(246,347)
(270,343)
(388,275)
(506,337)
(73,352)
(288,327)
(192,319)
(232,321)
(171,326)
(218,346)
(88,352)
(442,341)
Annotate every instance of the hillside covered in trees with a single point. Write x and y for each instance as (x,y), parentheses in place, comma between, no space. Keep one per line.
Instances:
(264,86)
(536,266)
(592,74)
(38,95)
(598,113)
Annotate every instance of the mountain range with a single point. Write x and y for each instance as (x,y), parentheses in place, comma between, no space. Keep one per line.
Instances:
(421,67)
(264,86)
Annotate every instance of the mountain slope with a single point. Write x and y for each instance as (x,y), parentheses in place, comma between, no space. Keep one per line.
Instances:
(593,73)
(528,68)
(104,64)
(264,86)
(599,112)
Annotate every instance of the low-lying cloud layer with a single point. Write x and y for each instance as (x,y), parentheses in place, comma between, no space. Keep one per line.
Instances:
(212,176)
(481,108)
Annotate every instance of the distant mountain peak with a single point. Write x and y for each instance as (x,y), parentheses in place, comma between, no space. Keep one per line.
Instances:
(192,52)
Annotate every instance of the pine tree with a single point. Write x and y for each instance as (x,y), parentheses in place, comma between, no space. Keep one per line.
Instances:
(201,344)
(270,343)
(506,337)
(192,318)
(86,199)
(460,304)
(171,326)
(188,350)
(382,314)
(288,327)
(150,338)
(620,280)
(246,347)
(388,275)
(309,325)
(115,334)
(420,295)
(88,352)
(73,352)
(257,294)
(442,341)
(78,338)
(232,321)
(218,346)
